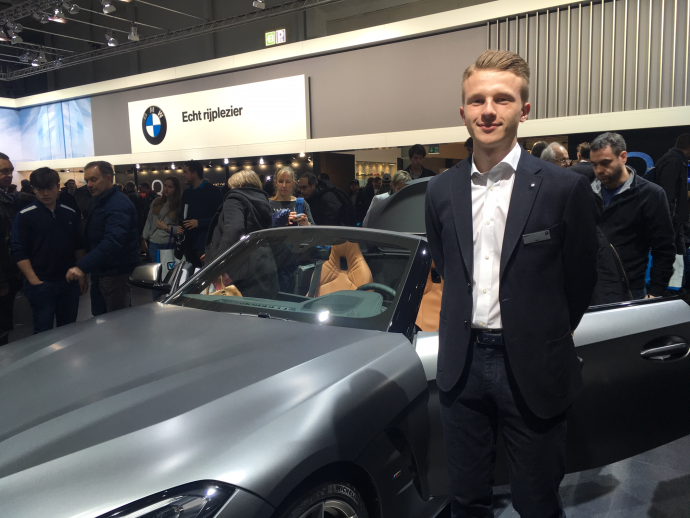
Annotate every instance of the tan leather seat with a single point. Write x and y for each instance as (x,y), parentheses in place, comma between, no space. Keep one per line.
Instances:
(430,308)
(333,278)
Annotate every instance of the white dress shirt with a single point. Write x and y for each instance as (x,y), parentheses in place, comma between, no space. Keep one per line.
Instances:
(491,194)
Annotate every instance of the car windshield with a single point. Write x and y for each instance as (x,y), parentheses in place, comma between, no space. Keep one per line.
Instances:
(350,278)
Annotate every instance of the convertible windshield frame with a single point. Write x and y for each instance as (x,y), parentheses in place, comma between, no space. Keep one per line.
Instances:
(399,315)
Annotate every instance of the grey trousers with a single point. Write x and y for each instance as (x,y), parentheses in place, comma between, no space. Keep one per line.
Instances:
(116,291)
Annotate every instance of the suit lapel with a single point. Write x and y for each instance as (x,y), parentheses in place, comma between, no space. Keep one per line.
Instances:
(525,190)
(461,202)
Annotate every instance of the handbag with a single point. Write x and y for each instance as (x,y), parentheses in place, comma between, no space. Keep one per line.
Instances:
(166,256)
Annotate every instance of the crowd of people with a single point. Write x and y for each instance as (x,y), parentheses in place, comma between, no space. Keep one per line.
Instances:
(643,227)
(56,240)
(61,243)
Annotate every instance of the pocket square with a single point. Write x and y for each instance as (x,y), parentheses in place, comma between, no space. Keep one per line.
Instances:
(535,237)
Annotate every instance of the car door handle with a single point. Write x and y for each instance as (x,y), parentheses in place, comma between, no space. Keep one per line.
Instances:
(665,349)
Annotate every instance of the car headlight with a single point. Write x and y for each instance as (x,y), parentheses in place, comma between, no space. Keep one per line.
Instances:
(196,500)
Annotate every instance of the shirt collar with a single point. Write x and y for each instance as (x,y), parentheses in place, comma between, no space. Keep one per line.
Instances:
(201,185)
(511,159)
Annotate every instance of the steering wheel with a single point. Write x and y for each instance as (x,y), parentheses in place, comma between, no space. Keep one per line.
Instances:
(378,288)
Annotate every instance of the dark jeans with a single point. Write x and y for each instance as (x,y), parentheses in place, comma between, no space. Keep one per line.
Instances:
(639,294)
(52,301)
(97,301)
(484,401)
(116,291)
(7,309)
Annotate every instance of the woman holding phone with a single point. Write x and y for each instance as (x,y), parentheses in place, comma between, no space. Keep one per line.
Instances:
(285,181)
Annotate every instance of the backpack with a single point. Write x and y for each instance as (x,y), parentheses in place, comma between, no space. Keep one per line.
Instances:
(347,211)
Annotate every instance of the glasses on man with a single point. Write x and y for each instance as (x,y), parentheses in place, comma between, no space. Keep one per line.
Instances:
(562,161)
(7,171)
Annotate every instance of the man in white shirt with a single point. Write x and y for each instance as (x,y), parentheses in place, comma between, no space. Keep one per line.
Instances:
(514,239)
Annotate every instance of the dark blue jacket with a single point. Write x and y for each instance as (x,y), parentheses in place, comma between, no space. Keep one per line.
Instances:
(111,235)
(47,239)
(202,204)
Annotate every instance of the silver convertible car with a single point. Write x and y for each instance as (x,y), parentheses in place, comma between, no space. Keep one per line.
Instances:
(294,377)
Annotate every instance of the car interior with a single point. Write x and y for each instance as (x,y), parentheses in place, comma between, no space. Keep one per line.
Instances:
(346,278)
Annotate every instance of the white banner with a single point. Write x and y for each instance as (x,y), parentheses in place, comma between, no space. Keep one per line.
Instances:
(256,113)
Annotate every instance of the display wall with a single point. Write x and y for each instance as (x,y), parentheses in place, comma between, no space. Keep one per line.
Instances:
(48,132)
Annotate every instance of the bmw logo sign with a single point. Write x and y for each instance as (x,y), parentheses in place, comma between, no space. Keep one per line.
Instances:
(154,125)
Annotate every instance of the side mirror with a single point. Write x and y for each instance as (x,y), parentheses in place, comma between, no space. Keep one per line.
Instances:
(148,276)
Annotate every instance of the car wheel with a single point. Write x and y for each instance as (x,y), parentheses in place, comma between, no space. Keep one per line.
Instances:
(336,500)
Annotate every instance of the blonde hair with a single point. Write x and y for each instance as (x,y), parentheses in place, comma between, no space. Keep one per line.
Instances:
(244,178)
(286,169)
(401,177)
(503,61)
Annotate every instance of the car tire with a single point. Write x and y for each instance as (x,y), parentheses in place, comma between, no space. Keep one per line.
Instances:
(331,500)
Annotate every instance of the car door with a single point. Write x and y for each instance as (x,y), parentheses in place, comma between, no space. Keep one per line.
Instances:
(636,381)
(636,369)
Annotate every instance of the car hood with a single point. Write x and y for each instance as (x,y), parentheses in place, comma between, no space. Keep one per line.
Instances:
(101,413)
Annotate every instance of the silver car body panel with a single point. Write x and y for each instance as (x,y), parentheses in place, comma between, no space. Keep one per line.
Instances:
(102,413)
(595,327)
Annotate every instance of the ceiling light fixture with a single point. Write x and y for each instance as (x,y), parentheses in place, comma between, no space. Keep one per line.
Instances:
(3,36)
(112,42)
(302,155)
(137,166)
(172,166)
(58,62)
(59,16)
(25,58)
(45,19)
(16,38)
(42,57)
(35,63)
(133,34)
(259,4)
(16,27)
(36,16)
(108,6)
(226,161)
(71,8)
(261,161)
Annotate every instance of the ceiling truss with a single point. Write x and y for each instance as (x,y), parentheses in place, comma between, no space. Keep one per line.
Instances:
(27,8)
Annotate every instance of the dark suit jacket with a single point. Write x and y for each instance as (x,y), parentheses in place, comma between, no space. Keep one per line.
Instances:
(545,286)
(584,168)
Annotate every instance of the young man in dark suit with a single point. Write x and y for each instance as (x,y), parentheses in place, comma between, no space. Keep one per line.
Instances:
(514,239)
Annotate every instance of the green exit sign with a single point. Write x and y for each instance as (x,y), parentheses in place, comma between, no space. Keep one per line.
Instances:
(434,150)
(276,37)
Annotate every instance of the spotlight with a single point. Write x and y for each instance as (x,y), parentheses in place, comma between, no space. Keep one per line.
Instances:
(59,16)
(302,155)
(16,27)
(36,16)
(226,161)
(58,62)
(71,8)
(45,19)
(108,6)
(133,35)
(261,161)
(42,57)
(16,38)
(25,58)
(172,166)
(35,63)
(112,42)
(259,4)
(210,164)
(3,36)
(137,166)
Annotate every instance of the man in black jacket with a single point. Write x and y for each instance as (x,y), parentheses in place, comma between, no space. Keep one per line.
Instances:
(200,201)
(671,173)
(633,215)
(325,206)
(584,166)
(514,239)
(10,278)
(416,169)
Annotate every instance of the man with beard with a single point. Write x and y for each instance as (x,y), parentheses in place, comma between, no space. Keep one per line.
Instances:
(633,215)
